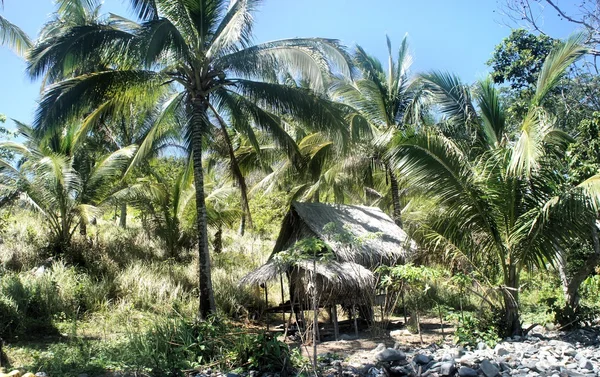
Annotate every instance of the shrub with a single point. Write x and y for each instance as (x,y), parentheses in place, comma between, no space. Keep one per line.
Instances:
(473,328)
(27,305)
(173,345)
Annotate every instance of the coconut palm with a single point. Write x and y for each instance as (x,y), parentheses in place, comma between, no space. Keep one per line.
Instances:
(12,36)
(63,180)
(202,48)
(169,203)
(499,198)
(387,99)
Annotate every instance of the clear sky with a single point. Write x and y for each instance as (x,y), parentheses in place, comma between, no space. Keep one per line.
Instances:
(452,35)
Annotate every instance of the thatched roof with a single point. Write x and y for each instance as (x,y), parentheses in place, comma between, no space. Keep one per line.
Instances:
(368,236)
(360,237)
(335,280)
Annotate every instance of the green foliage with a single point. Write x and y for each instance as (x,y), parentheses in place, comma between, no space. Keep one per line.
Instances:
(584,154)
(268,210)
(77,356)
(473,328)
(172,345)
(518,59)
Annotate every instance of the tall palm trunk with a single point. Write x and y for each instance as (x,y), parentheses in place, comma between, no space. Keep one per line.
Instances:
(510,294)
(206,298)
(395,189)
(123,216)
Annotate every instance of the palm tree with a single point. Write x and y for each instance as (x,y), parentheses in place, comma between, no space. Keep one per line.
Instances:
(169,203)
(388,101)
(499,199)
(202,48)
(59,176)
(12,36)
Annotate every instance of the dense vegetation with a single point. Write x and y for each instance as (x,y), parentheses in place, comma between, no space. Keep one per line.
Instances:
(166,150)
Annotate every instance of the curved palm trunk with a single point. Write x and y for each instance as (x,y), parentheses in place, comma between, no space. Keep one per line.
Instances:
(572,282)
(206,298)
(235,168)
(395,189)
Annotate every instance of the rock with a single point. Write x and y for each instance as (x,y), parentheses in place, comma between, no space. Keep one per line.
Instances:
(231,374)
(467,372)
(380,347)
(447,369)
(402,332)
(482,346)
(421,359)
(570,352)
(448,357)
(501,351)
(505,367)
(41,374)
(390,354)
(366,368)
(542,366)
(488,369)
(586,364)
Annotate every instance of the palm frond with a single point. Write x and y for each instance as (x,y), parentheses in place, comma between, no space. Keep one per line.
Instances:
(13,37)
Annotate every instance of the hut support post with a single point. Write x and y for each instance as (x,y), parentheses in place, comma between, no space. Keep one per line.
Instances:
(283,299)
(336,329)
(315,313)
(354,314)
(267,305)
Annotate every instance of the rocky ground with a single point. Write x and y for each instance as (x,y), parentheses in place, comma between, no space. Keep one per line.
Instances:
(553,354)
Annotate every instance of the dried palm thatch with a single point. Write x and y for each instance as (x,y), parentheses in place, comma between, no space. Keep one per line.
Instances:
(361,238)
(364,235)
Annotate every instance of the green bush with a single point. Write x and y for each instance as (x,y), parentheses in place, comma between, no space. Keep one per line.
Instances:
(173,345)
(77,356)
(473,328)
(27,305)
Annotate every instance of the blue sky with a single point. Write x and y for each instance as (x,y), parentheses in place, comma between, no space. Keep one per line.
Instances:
(452,35)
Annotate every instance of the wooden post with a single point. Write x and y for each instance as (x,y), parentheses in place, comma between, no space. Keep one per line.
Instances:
(355,321)
(336,329)
(283,299)
(266,305)
(315,313)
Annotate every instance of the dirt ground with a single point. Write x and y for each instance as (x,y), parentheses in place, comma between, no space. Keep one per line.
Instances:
(360,350)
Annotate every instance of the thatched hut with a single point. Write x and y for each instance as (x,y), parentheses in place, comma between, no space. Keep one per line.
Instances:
(359,238)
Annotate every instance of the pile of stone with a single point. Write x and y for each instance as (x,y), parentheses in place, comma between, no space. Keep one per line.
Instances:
(550,355)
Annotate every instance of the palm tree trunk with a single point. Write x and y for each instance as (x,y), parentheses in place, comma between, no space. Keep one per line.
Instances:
(82,228)
(123,216)
(395,189)
(510,294)
(218,240)
(242,228)
(206,298)
(572,282)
